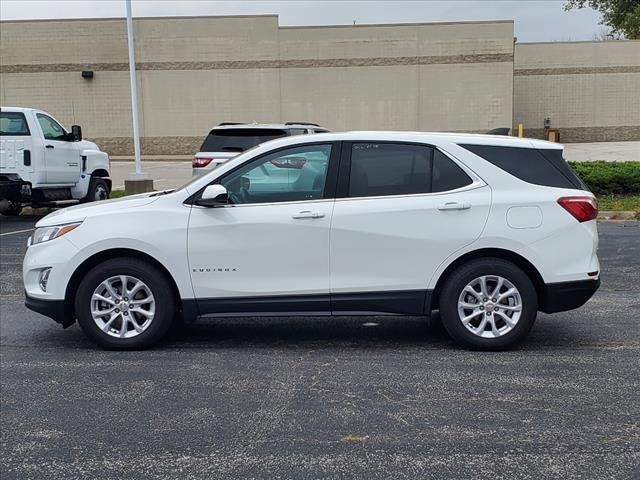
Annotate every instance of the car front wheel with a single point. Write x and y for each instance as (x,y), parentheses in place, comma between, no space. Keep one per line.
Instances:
(125,304)
(488,304)
(98,190)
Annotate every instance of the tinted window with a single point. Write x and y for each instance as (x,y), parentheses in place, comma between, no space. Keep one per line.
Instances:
(239,139)
(446,174)
(51,129)
(529,165)
(292,174)
(13,123)
(389,169)
(554,156)
(379,169)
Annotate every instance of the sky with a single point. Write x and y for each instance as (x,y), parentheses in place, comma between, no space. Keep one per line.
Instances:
(535,20)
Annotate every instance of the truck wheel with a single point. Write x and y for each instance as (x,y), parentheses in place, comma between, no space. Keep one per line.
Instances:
(12,211)
(98,190)
(125,304)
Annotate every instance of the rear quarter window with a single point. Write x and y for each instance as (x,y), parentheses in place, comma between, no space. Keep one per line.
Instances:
(531,165)
(13,124)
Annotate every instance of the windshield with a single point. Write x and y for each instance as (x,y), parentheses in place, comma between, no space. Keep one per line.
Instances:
(239,139)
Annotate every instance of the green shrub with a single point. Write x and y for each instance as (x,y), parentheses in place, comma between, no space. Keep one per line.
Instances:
(606,178)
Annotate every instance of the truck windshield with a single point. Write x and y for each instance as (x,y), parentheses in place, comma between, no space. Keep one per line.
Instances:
(239,139)
(13,123)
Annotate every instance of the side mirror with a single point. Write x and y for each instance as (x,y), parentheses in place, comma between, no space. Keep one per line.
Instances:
(76,133)
(213,196)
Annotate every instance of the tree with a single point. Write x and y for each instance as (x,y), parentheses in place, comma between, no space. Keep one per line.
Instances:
(621,16)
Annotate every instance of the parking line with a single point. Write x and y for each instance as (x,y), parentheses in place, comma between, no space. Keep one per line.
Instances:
(18,231)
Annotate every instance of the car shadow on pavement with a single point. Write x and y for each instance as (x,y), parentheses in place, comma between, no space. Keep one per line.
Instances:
(361,331)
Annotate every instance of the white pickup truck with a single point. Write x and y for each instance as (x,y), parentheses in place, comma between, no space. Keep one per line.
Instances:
(43,164)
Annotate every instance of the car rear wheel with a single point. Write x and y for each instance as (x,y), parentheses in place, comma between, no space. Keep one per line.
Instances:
(488,304)
(125,304)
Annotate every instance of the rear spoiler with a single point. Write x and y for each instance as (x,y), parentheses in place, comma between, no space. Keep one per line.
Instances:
(499,131)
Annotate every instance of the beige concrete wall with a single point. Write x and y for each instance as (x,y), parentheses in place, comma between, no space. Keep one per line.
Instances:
(590,90)
(196,72)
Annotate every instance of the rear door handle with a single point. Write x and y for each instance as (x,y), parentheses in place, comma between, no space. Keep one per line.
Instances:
(454,206)
(48,146)
(307,214)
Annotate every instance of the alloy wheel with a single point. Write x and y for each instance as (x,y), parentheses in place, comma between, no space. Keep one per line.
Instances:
(489,306)
(123,306)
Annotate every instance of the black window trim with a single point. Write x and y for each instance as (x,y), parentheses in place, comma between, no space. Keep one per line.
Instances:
(342,191)
(329,186)
(28,134)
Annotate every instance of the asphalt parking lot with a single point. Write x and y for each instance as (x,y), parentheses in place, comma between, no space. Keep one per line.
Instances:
(326,398)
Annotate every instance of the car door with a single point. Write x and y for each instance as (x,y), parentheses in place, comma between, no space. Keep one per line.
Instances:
(268,249)
(401,209)
(61,156)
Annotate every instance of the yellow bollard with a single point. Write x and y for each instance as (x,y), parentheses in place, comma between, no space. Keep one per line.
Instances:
(520,130)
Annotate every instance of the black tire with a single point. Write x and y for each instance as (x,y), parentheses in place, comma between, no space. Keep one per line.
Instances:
(152,277)
(467,273)
(98,190)
(13,211)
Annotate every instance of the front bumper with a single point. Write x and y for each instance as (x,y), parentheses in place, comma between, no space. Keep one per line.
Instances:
(15,190)
(563,296)
(54,309)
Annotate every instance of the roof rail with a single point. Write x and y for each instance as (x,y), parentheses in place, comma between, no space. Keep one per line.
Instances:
(302,123)
(230,123)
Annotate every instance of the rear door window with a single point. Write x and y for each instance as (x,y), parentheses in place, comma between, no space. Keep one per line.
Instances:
(239,139)
(383,169)
(447,175)
(379,169)
(539,167)
(13,124)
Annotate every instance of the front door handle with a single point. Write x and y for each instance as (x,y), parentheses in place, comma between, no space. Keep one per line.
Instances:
(454,206)
(48,146)
(307,214)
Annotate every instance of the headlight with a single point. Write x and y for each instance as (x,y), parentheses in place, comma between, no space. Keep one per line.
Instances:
(44,234)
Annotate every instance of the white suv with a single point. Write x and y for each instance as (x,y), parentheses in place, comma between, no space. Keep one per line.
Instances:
(228,140)
(489,230)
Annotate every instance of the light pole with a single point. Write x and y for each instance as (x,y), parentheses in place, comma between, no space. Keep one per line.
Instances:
(136,183)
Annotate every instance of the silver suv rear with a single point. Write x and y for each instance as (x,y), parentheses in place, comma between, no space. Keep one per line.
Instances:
(227,140)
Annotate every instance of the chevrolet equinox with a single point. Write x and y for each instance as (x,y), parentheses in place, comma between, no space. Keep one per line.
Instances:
(488,230)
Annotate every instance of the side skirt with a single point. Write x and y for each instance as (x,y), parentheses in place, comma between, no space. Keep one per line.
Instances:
(399,302)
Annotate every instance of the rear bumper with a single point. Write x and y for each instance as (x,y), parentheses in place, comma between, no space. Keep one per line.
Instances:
(563,296)
(54,309)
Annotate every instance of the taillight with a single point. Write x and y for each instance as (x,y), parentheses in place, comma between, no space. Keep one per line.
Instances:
(583,209)
(199,162)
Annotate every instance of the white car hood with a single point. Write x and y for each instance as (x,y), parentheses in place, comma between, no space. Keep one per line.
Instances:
(77,213)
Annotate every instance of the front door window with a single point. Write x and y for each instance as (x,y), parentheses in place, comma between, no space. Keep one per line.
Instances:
(51,129)
(288,175)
